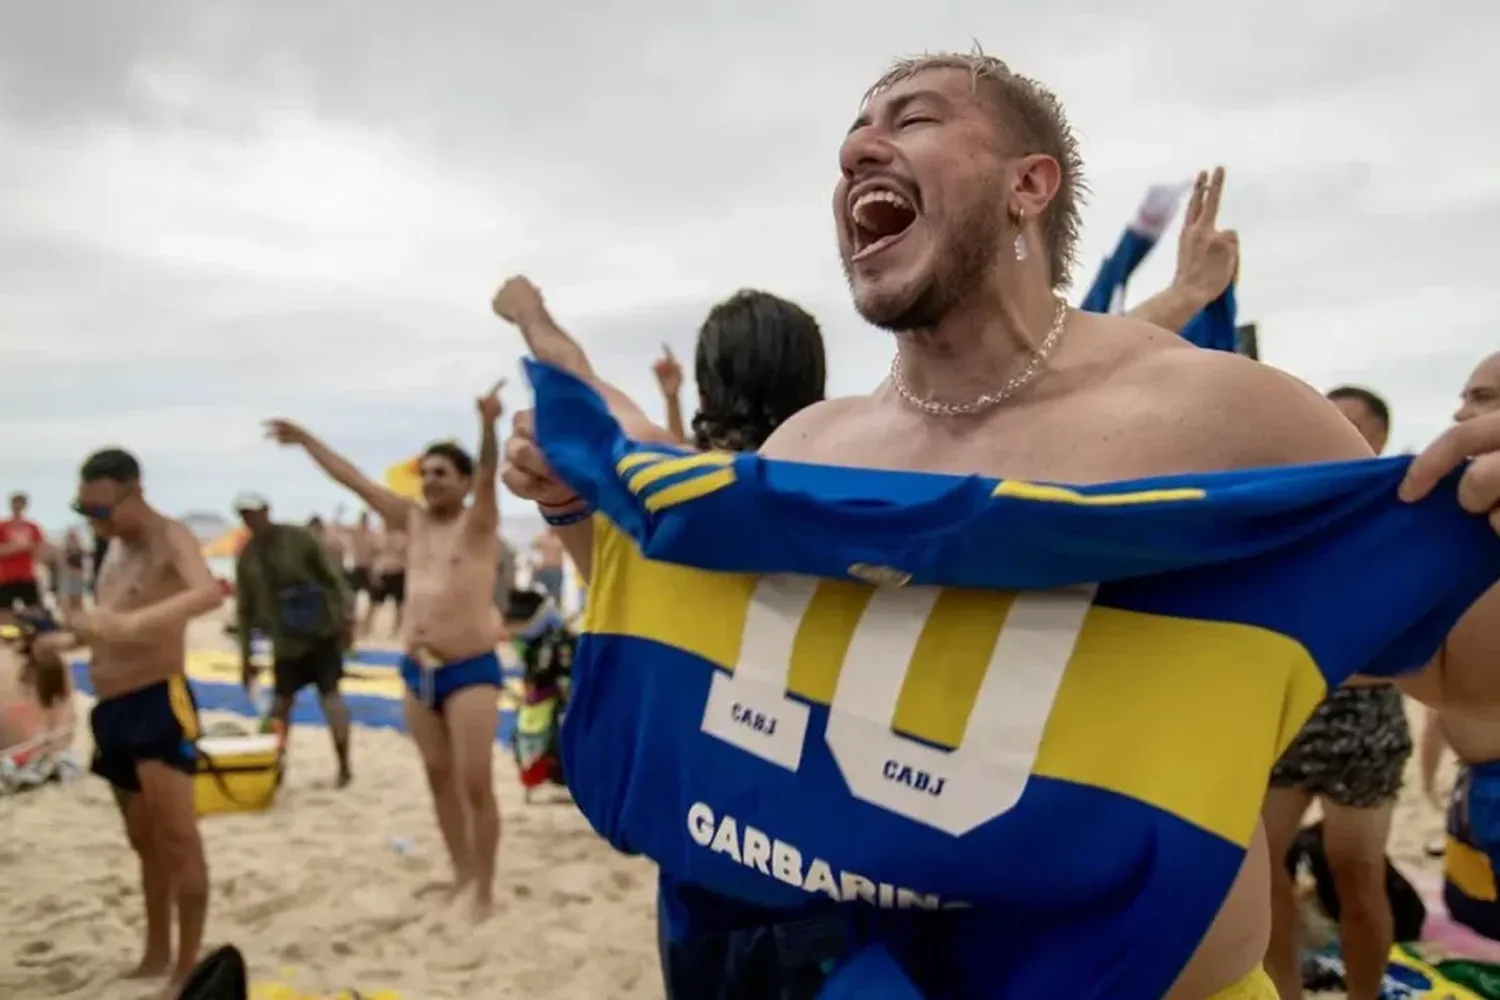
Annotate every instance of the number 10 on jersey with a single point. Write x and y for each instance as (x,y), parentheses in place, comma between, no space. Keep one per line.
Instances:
(953,791)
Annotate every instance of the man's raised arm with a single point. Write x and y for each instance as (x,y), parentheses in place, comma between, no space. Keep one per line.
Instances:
(526,473)
(486,516)
(392,508)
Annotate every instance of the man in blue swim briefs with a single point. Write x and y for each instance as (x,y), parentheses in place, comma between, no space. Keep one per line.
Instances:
(956,212)
(449,631)
(151,583)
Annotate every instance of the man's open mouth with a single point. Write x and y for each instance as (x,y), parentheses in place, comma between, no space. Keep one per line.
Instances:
(880,217)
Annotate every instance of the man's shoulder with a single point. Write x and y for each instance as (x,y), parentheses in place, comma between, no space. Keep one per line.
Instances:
(798,434)
(1252,413)
(177,533)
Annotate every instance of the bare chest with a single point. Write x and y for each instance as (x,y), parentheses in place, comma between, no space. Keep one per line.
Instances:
(1076,443)
(132,578)
(440,553)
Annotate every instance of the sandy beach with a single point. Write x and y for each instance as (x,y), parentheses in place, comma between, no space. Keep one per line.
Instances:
(323,892)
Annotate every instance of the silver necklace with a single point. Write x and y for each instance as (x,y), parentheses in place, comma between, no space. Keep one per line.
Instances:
(990,399)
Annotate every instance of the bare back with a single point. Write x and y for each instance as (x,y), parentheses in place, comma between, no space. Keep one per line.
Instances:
(135,576)
(1123,400)
(394,547)
(363,546)
(450,583)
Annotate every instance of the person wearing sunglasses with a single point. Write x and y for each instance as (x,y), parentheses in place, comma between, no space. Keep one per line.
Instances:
(152,582)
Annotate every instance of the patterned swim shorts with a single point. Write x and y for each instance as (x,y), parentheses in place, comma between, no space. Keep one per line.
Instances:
(1353,749)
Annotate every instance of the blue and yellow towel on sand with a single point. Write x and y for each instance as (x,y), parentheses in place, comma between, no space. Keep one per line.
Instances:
(1035,755)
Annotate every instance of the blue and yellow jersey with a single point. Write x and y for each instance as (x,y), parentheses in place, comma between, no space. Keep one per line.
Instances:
(1028,727)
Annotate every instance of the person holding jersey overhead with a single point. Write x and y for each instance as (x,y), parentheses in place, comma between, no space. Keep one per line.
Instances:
(1091,866)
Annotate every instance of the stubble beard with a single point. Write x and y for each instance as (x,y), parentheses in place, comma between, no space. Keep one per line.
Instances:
(959,267)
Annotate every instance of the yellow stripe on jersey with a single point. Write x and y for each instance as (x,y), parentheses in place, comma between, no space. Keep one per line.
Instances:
(1062,494)
(638,459)
(656,471)
(689,489)
(1160,709)
(643,469)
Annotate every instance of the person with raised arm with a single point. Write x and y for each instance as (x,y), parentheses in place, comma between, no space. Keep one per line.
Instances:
(1095,851)
(448,632)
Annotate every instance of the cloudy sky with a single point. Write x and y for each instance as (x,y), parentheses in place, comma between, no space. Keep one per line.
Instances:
(212,213)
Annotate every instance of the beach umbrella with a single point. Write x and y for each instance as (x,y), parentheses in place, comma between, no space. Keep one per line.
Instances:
(405,479)
(227,545)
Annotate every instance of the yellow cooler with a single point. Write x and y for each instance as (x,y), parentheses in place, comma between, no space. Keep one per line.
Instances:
(236,773)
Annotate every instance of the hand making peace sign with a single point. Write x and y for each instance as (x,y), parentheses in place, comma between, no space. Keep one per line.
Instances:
(1207,257)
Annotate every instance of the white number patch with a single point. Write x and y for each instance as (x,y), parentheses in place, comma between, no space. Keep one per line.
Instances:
(953,791)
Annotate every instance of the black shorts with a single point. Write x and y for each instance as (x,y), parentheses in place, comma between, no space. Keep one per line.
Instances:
(322,666)
(159,722)
(25,592)
(1352,751)
(390,587)
(359,581)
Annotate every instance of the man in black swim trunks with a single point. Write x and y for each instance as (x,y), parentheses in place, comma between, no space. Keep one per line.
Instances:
(152,582)
(390,576)
(289,589)
(1349,756)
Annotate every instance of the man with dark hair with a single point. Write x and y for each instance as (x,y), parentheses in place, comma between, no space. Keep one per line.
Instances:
(759,359)
(1366,411)
(21,542)
(1349,756)
(288,588)
(449,631)
(153,581)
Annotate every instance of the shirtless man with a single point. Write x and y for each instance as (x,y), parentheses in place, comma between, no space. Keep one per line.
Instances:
(957,217)
(1473,852)
(451,671)
(390,575)
(363,544)
(331,538)
(152,582)
(1350,757)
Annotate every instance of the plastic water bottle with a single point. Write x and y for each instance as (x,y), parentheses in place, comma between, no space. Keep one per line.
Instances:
(403,845)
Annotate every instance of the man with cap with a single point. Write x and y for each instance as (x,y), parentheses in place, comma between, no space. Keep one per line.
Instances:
(289,589)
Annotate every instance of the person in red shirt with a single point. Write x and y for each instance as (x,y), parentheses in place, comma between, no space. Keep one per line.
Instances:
(20,542)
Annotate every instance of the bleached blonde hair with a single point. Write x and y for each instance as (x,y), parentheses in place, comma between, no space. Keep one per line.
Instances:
(1032,120)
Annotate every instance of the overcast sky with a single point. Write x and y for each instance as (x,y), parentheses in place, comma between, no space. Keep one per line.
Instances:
(212,213)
